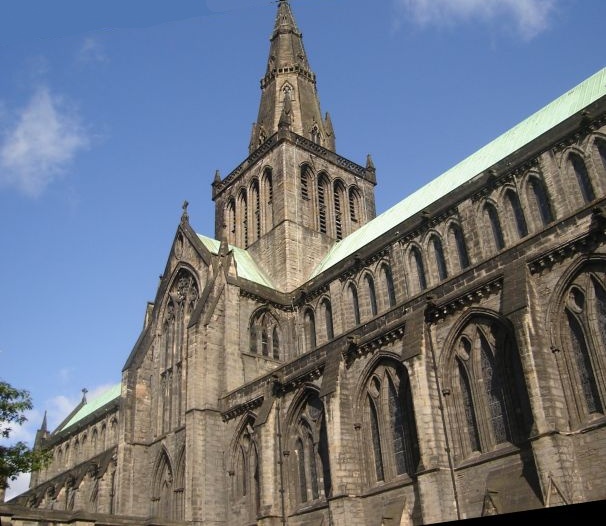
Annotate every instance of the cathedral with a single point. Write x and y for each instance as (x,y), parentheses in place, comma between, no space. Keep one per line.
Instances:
(315,364)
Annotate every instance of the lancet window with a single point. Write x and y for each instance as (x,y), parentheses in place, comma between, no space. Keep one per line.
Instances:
(388,284)
(326,307)
(322,203)
(538,195)
(162,503)
(354,204)
(438,253)
(580,170)
(390,434)
(255,198)
(601,146)
(517,213)
(372,295)
(310,455)
(416,261)
(339,198)
(494,225)
(309,326)
(458,241)
(354,302)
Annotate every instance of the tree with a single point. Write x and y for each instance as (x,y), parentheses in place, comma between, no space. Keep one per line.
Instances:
(16,458)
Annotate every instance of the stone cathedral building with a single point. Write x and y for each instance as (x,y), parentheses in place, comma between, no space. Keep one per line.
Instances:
(317,365)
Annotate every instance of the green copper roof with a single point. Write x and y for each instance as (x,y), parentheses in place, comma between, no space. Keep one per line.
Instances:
(245,265)
(528,130)
(90,407)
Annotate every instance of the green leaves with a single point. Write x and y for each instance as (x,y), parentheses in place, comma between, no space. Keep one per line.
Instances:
(17,458)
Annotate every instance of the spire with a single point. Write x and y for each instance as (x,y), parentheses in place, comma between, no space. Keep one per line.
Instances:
(44,426)
(289,81)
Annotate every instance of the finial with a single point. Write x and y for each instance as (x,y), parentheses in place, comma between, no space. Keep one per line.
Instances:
(369,164)
(84,391)
(184,215)
(217,176)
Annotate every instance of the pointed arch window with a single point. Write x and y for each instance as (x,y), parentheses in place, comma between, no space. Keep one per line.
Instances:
(580,170)
(516,211)
(487,407)
(355,304)
(419,267)
(268,196)
(264,334)
(458,241)
(388,284)
(182,298)
(438,252)
(495,226)
(390,428)
(162,496)
(305,177)
(309,323)
(231,220)
(372,296)
(354,204)
(540,200)
(582,330)
(246,487)
(243,208)
(339,196)
(255,198)
(309,438)
(322,202)
(326,307)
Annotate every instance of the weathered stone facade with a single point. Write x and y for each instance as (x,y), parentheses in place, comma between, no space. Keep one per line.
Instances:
(313,366)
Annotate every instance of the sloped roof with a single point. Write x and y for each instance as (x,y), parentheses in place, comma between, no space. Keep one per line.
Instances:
(245,264)
(90,407)
(528,130)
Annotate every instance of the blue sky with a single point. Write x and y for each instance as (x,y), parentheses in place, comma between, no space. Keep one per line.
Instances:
(113,113)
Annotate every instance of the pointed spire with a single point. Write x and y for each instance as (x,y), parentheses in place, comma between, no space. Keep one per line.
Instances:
(44,426)
(289,74)
(217,176)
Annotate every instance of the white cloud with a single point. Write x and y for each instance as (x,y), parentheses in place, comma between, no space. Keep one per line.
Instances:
(91,51)
(41,144)
(529,17)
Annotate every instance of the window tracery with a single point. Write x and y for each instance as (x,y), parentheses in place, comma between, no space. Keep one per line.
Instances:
(265,335)
(581,328)
(181,302)
(310,462)
(389,423)
(487,405)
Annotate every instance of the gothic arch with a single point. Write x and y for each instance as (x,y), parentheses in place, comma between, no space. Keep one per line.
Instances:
(484,392)
(355,208)
(515,213)
(326,309)
(245,470)
(370,291)
(307,440)
(435,246)
(267,197)
(230,220)
(340,207)
(265,334)
(242,226)
(492,223)
(324,200)
(352,301)
(162,486)
(389,441)
(416,265)
(254,219)
(577,166)
(309,330)
(457,245)
(577,323)
(541,211)
(387,285)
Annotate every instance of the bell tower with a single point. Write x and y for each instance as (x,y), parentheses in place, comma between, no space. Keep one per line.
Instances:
(293,197)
